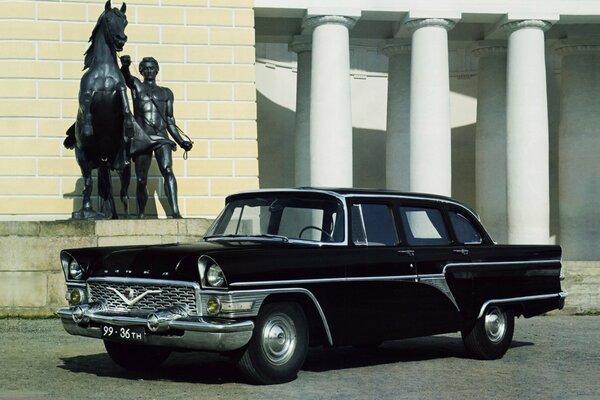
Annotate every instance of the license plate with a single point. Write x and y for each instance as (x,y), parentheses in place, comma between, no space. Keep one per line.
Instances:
(129,334)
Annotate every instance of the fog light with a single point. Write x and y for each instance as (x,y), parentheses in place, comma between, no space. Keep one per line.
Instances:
(76,296)
(213,305)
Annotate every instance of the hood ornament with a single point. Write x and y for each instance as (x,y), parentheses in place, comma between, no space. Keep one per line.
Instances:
(129,298)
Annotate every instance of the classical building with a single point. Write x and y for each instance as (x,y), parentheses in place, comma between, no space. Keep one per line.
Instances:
(494,102)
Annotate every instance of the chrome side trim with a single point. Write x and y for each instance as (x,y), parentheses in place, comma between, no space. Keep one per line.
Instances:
(561,295)
(407,278)
(439,282)
(499,263)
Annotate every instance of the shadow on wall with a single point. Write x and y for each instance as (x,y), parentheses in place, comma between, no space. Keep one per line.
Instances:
(463,164)
(155,182)
(276,149)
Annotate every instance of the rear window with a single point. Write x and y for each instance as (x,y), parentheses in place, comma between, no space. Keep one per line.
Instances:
(424,226)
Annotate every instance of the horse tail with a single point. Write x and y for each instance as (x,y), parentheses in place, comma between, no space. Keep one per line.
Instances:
(70,140)
(107,203)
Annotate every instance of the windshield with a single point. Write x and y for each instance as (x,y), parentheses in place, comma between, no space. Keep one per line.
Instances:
(284,217)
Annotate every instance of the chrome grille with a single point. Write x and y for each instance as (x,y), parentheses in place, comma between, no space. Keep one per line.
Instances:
(170,295)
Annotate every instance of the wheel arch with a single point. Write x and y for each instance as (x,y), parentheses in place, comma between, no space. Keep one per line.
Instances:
(319,332)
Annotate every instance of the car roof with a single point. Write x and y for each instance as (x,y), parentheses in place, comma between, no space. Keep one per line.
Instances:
(360,192)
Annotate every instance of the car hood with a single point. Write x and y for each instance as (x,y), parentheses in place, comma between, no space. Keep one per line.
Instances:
(174,261)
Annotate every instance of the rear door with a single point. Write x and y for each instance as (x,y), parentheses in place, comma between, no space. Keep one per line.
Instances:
(430,245)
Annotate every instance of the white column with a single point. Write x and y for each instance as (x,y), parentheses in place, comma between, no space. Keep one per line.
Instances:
(397,150)
(430,140)
(330,107)
(579,150)
(302,46)
(527,143)
(490,138)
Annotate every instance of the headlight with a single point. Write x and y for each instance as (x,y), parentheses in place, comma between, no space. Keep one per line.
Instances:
(75,270)
(211,274)
(214,276)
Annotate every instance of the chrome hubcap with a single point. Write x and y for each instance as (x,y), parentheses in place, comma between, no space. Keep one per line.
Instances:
(495,325)
(279,339)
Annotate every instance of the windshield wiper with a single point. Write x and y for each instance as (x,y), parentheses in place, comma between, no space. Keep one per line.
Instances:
(248,237)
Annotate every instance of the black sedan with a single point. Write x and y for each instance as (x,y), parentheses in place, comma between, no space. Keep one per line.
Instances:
(282,270)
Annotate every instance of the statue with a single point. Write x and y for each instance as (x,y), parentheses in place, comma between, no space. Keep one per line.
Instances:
(153,111)
(104,123)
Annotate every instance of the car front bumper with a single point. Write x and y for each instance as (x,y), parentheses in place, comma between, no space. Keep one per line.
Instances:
(195,333)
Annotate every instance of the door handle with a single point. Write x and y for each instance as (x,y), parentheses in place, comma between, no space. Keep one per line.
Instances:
(409,253)
(464,252)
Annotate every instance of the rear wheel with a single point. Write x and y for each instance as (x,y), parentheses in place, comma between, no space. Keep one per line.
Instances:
(135,357)
(278,345)
(491,335)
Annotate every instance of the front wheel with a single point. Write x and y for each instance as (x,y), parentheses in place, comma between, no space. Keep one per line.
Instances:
(278,345)
(136,357)
(491,335)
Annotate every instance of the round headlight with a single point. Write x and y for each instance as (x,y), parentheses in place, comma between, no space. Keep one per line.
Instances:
(214,276)
(75,270)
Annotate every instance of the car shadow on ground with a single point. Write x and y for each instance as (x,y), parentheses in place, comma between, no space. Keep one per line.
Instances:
(212,368)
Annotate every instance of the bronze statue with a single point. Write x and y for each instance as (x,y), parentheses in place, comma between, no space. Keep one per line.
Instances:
(153,111)
(104,121)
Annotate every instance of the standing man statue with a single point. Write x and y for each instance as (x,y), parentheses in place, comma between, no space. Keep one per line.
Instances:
(153,111)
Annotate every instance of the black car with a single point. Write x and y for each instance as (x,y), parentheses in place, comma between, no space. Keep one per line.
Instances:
(282,270)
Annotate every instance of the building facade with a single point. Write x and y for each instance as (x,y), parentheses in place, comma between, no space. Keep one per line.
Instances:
(206,54)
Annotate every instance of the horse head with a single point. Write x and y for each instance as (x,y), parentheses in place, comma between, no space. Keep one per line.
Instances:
(111,26)
(114,23)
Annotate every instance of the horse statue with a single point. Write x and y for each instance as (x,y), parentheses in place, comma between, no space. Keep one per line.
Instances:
(104,123)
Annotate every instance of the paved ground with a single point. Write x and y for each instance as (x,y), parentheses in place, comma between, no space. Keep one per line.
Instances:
(551,358)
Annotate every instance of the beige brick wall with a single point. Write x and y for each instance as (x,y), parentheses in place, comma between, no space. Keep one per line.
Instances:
(206,55)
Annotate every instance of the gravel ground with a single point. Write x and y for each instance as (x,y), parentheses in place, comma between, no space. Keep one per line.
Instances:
(551,358)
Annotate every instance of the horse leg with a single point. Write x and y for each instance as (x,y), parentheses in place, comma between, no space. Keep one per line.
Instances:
(127,117)
(107,203)
(142,165)
(85,105)
(125,177)
(88,183)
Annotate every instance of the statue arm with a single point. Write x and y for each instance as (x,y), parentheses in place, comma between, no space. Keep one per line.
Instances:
(131,81)
(171,124)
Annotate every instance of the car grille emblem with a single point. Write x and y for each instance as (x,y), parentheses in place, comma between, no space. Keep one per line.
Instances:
(129,297)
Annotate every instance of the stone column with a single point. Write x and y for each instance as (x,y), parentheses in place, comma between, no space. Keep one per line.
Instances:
(330,102)
(302,46)
(579,149)
(490,138)
(430,140)
(397,146)
(527,143)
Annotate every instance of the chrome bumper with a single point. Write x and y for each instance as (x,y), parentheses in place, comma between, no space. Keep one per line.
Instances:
(194,333)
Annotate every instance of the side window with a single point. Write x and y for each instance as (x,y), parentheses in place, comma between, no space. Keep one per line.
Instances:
(373,225)
(424,226)
(465,232)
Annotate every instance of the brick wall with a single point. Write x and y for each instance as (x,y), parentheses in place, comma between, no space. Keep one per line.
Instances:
(206,53)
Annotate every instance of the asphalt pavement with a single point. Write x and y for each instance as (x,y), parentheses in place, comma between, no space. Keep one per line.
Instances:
(555,357)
